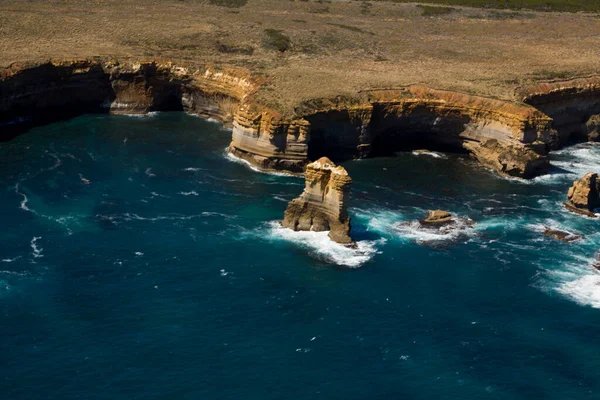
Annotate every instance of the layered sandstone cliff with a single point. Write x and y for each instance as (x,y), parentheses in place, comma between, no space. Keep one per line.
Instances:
(573,105)
(584,195)
(323,206)
(509,137)
(58,89)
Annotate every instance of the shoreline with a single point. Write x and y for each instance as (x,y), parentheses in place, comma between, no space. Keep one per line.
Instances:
(511,138)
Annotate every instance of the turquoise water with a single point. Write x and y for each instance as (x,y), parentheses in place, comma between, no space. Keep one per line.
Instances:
(138,261)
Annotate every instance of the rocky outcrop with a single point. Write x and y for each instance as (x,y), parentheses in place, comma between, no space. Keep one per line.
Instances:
(584,195)
(512,139)
(323,204)
(573,105)
(563,236)
(437,217)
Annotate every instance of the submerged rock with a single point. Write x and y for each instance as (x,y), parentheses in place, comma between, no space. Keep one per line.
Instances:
(438,230)
(437,217)
(323,204)
(583,196)
(561,235)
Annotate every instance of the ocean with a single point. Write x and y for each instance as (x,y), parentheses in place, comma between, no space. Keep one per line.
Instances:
(140,261)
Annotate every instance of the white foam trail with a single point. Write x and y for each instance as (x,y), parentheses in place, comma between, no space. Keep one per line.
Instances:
(247,164)
(132,115)
(192,193)
(133,216)
(9,260)
(381,221)
(23,204)
(36,251)
(149,172)
(84,180)
(155,194)
(193,169)
(323,247)
(428,153)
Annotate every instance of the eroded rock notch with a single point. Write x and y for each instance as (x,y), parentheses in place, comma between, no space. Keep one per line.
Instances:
(323,206)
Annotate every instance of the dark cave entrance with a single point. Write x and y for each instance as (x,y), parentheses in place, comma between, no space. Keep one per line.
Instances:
(337,135)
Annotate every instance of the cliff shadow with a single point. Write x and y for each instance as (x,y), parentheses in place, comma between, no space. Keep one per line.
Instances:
(341,136)
(575,117)
(333,134)
(419,128)
(49,93)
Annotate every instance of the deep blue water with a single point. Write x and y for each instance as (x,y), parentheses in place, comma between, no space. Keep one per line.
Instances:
(139,262)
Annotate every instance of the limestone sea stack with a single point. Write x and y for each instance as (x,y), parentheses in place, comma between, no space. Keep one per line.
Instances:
(323,206)
(584,195)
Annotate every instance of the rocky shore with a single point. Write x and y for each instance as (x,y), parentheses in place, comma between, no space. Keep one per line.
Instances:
(511,138)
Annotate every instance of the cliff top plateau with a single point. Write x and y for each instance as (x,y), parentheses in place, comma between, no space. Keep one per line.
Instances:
(307,50)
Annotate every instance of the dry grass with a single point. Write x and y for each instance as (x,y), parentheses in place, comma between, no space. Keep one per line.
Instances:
(331,48)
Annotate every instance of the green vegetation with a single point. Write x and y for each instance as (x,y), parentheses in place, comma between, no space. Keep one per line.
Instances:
(365,8)
(431,11)
(538,5)
(229,3)
(277,40)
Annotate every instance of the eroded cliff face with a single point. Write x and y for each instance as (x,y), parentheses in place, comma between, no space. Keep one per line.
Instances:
(323,206)
(573,105)
(511,139)
(59,89)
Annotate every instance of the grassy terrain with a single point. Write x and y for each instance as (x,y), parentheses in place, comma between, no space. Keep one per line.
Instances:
(310,49)
(538,5)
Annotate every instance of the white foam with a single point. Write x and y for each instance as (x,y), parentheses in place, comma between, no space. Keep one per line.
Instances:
(247,164)
(382,221)
(319,244)
(156,194)
(23,204)
(133,115)
(149,172)
(9,260)
(133,216)
(414,230)
(193,169)
(584,290)
(192,193)
(428,153)
(577,160)
(36,251)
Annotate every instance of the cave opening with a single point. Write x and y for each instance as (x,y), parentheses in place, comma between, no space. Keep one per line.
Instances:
(340,137)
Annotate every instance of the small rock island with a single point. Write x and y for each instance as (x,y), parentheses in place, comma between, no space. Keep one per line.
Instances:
(584,195)
(323,206)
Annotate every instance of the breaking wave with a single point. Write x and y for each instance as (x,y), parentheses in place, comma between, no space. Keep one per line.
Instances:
(322,247)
